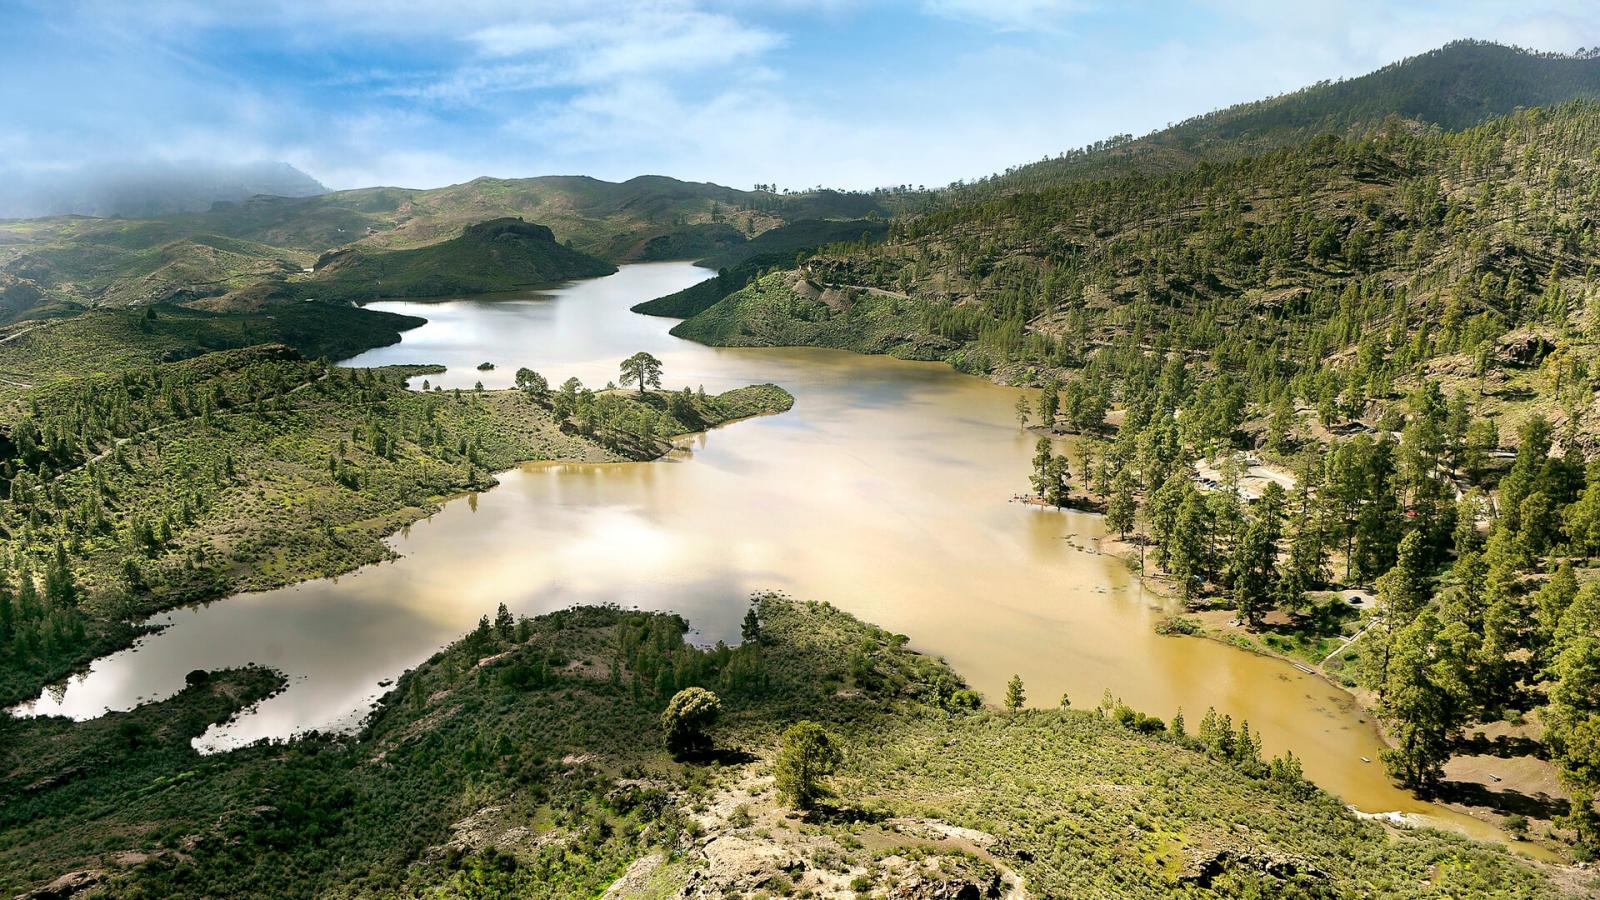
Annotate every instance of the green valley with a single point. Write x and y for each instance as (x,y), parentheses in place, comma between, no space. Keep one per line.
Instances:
(1279,426)
(241,254)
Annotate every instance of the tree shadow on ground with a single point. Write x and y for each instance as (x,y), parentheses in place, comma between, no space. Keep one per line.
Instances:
(724,756)
(1505,746)
(843,814)
(1506,802)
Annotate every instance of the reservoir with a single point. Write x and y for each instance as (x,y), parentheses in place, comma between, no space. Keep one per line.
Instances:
(886,491)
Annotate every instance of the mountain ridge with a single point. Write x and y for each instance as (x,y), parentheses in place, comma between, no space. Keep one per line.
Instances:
(1477,81)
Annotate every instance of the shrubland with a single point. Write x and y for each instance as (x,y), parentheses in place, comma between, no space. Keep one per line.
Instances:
(528,757)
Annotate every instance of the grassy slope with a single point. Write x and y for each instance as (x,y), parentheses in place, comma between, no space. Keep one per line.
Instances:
(769,312)
(530,764)
(740,265)
(102,342)
(497,255)
(121,263)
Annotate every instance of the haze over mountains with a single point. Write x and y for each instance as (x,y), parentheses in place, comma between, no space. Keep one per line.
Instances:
(148,190)
(174,241)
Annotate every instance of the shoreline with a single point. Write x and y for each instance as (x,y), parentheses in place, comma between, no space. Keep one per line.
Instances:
(393,522)
(1127,552)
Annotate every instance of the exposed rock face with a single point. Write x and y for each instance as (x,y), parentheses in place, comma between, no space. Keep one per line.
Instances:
(750,844)
(1204,865)
(634,881)
(919,887)
(495,827)
(741,866)
(1523,349)
(69,885)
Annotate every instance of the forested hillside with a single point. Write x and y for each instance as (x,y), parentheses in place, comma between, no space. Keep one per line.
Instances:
(1429,293)
(1457,86)
(1426,245)
(497,255)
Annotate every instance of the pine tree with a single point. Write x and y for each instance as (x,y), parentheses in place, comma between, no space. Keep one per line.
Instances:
(1121,507)
(1190,551)
(1253,565)
(1015,696)
(1404,588)
(807,755)
(1425,700)
(750,628)
(59,587)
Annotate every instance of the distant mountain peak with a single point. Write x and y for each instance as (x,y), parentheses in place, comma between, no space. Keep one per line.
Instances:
(1455,86)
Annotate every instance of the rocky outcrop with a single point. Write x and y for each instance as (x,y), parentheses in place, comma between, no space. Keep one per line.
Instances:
(634,881)
(919,887)
(71,884)
(1203,865)
(750,844)
(1523,349)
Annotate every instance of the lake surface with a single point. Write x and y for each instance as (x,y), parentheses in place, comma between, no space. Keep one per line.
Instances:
(886,491)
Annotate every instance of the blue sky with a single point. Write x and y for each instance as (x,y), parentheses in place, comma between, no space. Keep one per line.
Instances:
(797,92)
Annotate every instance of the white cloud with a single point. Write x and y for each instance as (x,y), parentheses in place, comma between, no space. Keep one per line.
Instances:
(1010,15)
(631,41)
(595,47)
(420,92)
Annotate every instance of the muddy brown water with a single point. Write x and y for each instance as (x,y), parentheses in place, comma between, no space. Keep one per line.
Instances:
(886,491)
